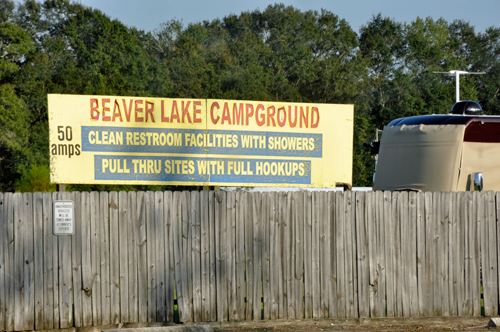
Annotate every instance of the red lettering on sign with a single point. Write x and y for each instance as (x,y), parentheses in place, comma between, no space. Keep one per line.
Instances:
(196,112)
(149,111)
(117,113)
(163,117)
(129,112)
(281,117)
(105,109)
(94,113)
(304,117)
(260,118)
(238,114)
(225,114)
(138,110)
(185,111)
(314,110)
(175,112)
(249,112)
(271,111)
(214,105)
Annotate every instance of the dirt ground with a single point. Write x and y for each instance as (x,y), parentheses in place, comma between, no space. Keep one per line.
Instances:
(374,324)
(420,324)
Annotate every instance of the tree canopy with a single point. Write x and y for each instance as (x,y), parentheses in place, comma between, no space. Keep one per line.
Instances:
(279,53)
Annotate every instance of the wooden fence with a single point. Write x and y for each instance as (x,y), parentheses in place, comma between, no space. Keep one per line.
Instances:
(214,256)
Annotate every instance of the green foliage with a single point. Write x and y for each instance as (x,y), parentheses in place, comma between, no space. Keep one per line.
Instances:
(36,179)
(279,53)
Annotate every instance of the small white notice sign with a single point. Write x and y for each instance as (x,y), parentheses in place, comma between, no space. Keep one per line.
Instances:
(63,215)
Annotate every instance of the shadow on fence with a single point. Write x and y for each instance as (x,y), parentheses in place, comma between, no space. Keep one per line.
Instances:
(216,256)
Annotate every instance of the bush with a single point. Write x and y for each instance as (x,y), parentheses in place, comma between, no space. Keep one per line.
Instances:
(37,179)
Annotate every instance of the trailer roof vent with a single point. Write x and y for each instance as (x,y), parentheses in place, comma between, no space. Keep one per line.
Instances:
(467,107)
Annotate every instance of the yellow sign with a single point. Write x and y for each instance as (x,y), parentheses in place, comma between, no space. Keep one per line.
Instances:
(138,140)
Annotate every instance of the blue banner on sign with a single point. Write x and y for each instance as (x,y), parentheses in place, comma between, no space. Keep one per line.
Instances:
(228,170)
(191,141)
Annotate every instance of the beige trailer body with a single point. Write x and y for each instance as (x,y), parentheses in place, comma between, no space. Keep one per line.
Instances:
(441,153)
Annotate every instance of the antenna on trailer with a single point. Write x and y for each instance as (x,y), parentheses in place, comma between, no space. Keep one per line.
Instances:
(457,73)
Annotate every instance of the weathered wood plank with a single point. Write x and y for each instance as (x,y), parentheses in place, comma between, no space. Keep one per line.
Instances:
(275,263)
(284,247)
(221,253)
(29,290)
(340,254)
(379,256)
(372,245)
(444,225)
(396,258)
(381,261)
(249,260)
(257,223)
(406,258)
(497,251)
(64,267)
(281,215)
(240,255)
(412,245)
(332,291)
(405,252)
(55,271)
(185,264)
(437,245)
(491,289)
(391,250)
(132,257)
(187,248)
(123,209)
(460,254)
(266,256)
(349,246)
(315,246)
(105,262)
(429,258)
(205,257)
(48,261)
(160,277)
(298,212)
(325,268)
(453,250)
(142,272)
(362,255)
(169,254)
(177,239)
(38,265)
(466,215)
(230,255)
(420,229)
(308,301)
(95,250)
(290,256)
(19,229)
(86,260)
(3,242)
(114,258)
(474,238)
(9,265)
(151,251)
(195,224)
(213,259)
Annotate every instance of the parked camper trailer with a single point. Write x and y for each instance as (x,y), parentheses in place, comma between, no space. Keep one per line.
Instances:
(459,151)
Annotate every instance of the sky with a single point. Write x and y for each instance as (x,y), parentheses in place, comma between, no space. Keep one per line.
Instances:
(147,15)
